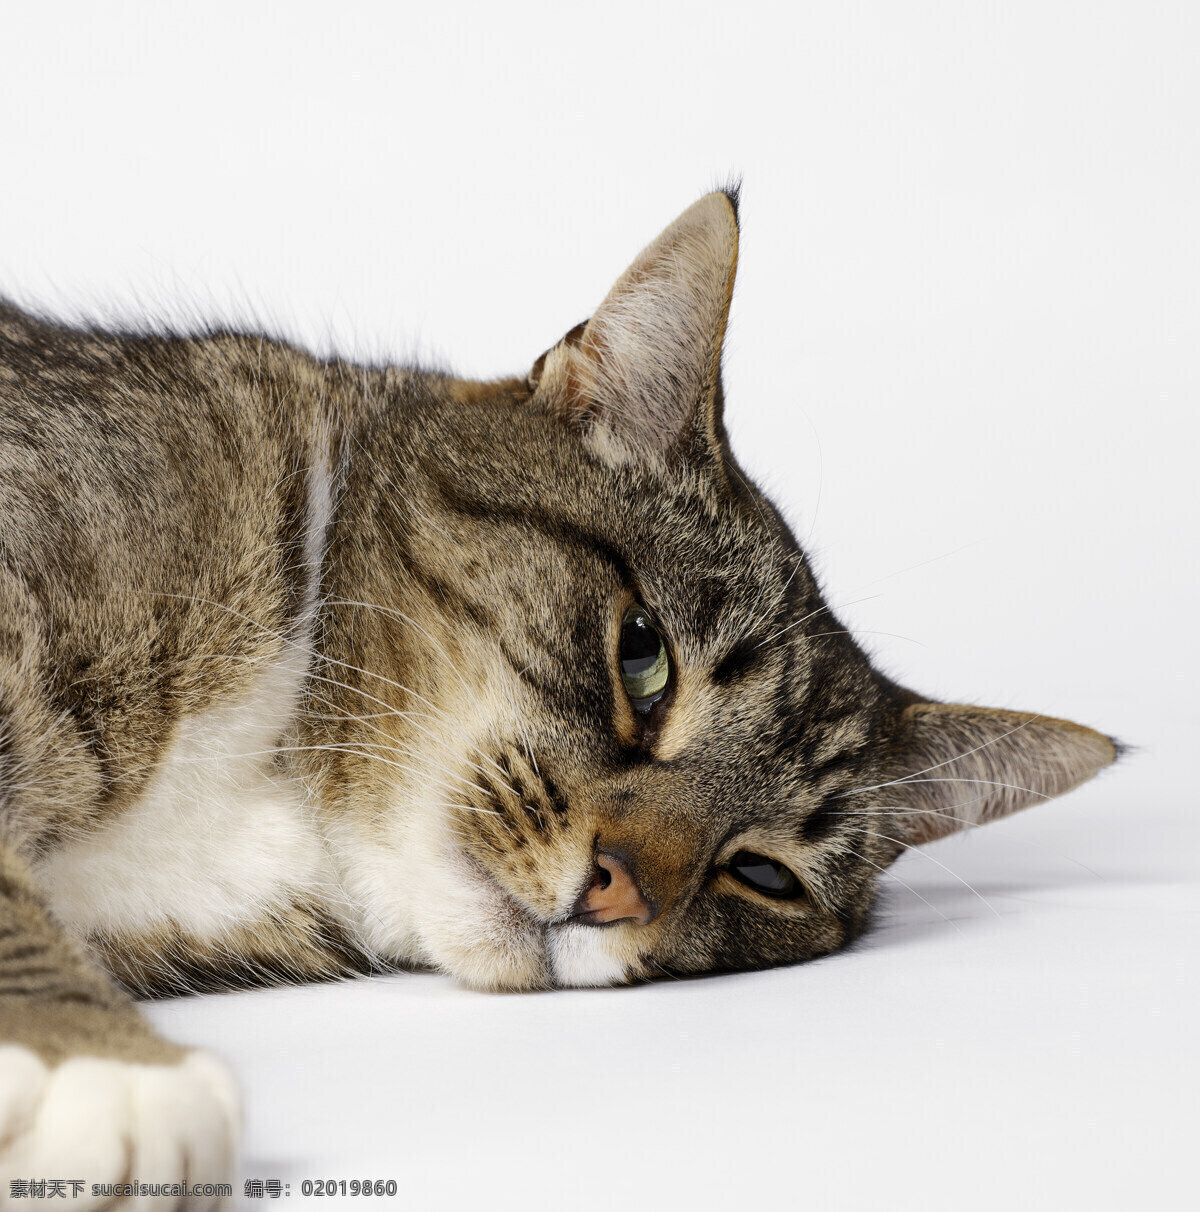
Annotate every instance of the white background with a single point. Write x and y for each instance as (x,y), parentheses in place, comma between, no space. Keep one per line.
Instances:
(964,358)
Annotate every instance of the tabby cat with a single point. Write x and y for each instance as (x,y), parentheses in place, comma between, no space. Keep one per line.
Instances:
(311,669)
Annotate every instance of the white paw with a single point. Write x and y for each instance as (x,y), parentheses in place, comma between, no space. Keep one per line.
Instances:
(111,1122)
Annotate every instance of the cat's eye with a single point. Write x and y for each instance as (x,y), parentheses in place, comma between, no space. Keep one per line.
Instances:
(645,667)
(764,875)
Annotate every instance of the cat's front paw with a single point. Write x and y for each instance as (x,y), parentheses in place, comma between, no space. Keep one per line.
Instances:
(111,1123)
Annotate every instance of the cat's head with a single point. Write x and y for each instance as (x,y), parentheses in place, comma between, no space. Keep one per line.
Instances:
(657,750)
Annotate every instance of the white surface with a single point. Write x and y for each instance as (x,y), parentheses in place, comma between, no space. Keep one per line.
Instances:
(963,355)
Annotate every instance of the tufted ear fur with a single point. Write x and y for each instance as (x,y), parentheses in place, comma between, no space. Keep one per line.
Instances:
(645,368)
(959,766)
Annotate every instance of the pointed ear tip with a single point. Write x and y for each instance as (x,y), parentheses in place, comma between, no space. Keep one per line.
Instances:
(732,189)
(1090,746)
(731,198)
(1115,750)
(720,207)
(1104,749)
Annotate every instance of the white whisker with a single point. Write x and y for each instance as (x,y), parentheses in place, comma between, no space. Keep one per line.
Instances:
(926,855)
(812,614)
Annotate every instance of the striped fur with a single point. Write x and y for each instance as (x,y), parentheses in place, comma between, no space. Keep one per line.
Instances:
(309,669)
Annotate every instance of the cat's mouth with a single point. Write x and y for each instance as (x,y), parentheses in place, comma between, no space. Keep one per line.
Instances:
(524,949)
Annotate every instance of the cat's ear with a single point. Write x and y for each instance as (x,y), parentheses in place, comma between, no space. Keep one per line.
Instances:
(645,369)
(956,767)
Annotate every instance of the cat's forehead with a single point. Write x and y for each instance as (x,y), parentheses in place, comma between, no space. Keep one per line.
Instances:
(715,550)
(736,590)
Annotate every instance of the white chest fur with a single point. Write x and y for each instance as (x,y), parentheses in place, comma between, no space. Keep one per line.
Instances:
(219,838)
(222,835)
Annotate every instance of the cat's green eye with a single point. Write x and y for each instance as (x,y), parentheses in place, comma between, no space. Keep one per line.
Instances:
(645,667)
(765,875)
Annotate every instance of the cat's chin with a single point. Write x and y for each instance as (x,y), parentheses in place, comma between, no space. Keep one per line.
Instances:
(586,957)
(472,929)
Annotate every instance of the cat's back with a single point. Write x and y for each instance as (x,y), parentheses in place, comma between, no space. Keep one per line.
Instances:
(162,505)
(115,443)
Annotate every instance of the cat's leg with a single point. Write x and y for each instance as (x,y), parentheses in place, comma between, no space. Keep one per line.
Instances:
(88,1089)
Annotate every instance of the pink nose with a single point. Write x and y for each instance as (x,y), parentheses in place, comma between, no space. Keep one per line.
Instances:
(612,896)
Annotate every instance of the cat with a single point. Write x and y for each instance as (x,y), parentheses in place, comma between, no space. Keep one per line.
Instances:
(312,669)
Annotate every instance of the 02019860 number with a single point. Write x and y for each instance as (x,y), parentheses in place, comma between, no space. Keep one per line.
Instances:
(353,1186)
